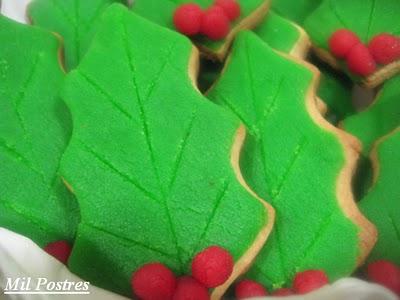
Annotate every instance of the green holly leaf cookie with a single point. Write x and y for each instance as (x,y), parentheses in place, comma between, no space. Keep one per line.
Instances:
(382,205)
(297,161)
(35,128)
(283,35)
(366,18)
(74,20)
(153,164)
(162,11)
(296,11)
(379,119)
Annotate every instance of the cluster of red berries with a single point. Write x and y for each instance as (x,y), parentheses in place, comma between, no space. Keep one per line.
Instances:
(385,273)
(210,268)
(363,59)
(214,22)
(303,283)
(213,266)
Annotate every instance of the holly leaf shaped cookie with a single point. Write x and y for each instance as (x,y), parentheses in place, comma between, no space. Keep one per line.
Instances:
(297,161)
(366,18)
(334,93)
(379,119)
(283,35)
(382,205)
(161,12)
(153,164)
(35,127)
(74,20)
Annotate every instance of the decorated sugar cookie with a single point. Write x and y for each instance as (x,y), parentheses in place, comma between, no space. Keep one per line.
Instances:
(379,119)
(381,205)
(74,20)
(162,12)
(297,161)
(35,127)
(361,37)
(283,35)
(152,162)
(296,11)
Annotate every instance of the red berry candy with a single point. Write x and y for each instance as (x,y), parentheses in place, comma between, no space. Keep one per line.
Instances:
(360,61)
(385,48)
(153,281)
(282,292)
(215,24)
(309,281)
(342,41)
(248,288)
(230,7)
(190,289)
(386,274)
(213,266)
(188,18)
(60,250)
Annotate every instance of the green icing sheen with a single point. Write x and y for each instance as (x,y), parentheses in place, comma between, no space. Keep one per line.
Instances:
(379,119)
(297,10)
(278,32)
(75,20)
(366,18)
(161,12)
(382,205)
(149,159)
(35,127)
(289,160)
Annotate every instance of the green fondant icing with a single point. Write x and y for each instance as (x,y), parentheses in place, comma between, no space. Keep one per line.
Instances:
(35,128)
(382,205)
(296,11)
(366,18)
(289,160)
(278,32)
(74,20)
(161,12)
(379,119)
(149,160)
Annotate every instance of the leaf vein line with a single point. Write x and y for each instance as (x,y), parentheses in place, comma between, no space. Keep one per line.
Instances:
(298,150)
(218,201)
(181,149)
(118,172)
(105,94)
(128,240)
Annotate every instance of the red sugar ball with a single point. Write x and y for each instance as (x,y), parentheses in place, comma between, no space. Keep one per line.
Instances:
(215,24)
(188,18)
(360,61)
(231,8)
(248,288)
(309,281)
(190,289)
(385,48)
(282,292)
(386,274)
(212,266)
(60,250)
(342,41)
(153,281)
